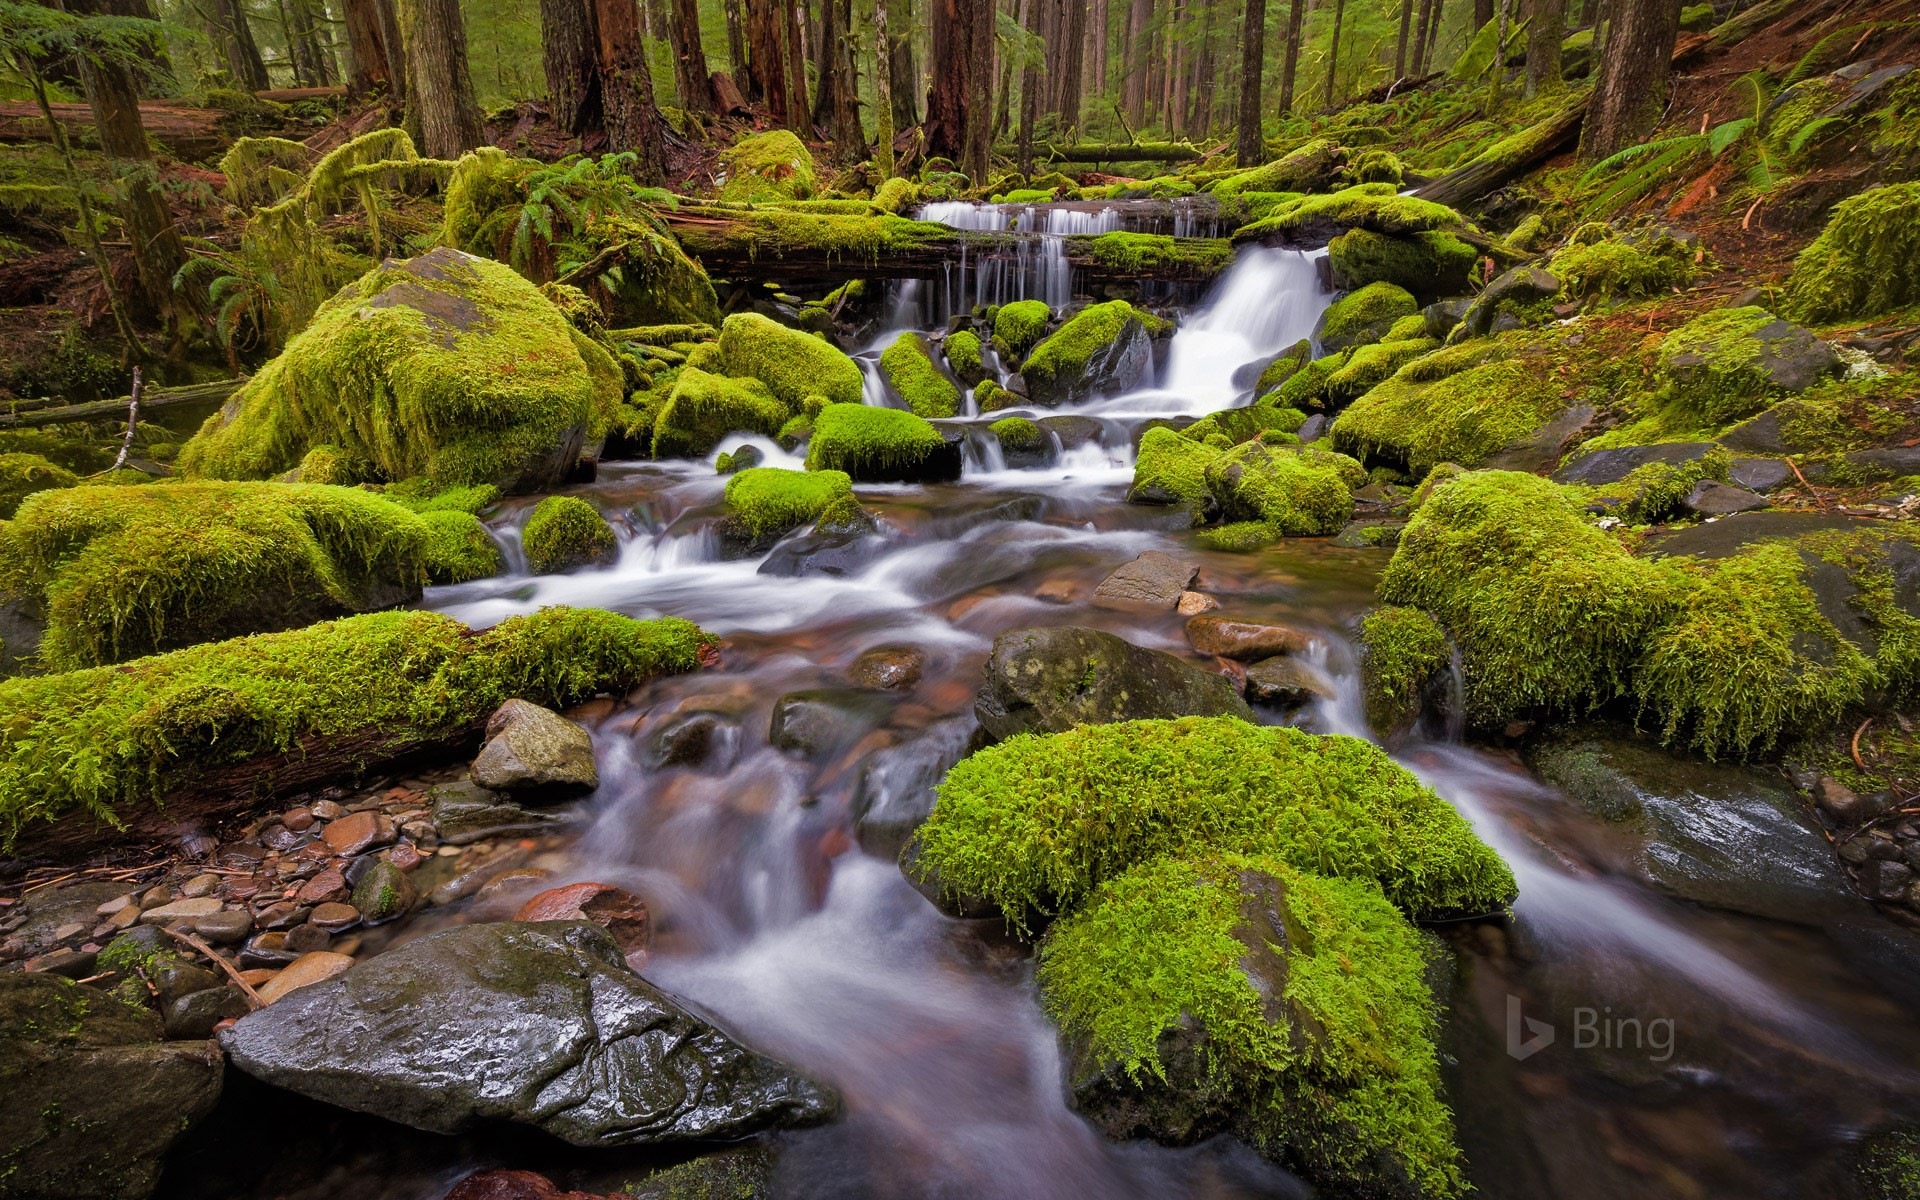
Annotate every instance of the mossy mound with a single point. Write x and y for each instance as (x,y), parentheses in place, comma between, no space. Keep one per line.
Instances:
(1732,362)
(1241,424)
(565,533)
(1430,264)
(768,166)
(702,409)
(1861,265)
(793,364)
(1018,435)
(770,501)
(1104,349)
(909,367)
(875,445)
(1367,366)
(963,352)
(1296,491)
(1285,366)
(1401,649)
(1037,822)
(459,548)
(445,365)
(104,739)
(1602,268)
(120,572)
(21,475)
(1234,993)
(331,464)
(1202,258)
(1171,469)
(1019,325)
(1317,220)
(897,195)
(1365,315)
(1310,168)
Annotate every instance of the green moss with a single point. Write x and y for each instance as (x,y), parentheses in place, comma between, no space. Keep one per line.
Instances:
(1889,1166)
(702,409)
(21,475)
(1653,492)
(1307,387)
(124,571)
(1408,329)
(962,348)
(865,440)
(1239,537)
(458,547)
(1151,251)
(896,195)
(1024,196)
(1036,823)
(1609,269)
(1064,355)
(1372,206)
(1861,265)
(1019,325)
(1018,434)
(1307,169)
(1365,315)
(908,365)
(1422,416)
(768,166)
(773,233)
(1431,263)
(1288,364)
(102,739)
(1373,364)
(1319,1027)
(1547,610)
(793,364)
(1712,366)
(768,501)
(425,496)
(991,397)
(1303,491)
(1401,649)
(1376,164)
(564,533)
(1238,425)
(331,464)
(1171,468)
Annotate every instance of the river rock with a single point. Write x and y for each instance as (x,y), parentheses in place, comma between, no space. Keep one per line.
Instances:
(696,739)
(94,1098)
(1223,636)
(180,910)
(1286,681)
(192,1017)
(894,793)
(535,752)
(1719,834)
(816,722)
(889,668)
(1052,679)
(621,913)
(1759,474)
(383,893)
(1153,581)
(311,968)
(837,549)
(1710,498)
(1611,466)
(358,832)
(465,812)
(540,1024)
(1518,286)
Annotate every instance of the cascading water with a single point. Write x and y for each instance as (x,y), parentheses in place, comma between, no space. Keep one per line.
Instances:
(1037,269)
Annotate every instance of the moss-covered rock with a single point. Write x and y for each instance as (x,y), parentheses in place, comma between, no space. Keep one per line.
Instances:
(1299,491)
(444,365)
(1861,265)
(1018,325)
(1198,258)
(459,548)
(897,195)
(110,740)
(793,364)
(1600,267)
(1430,264)
(1172,469)
(1372,364)
(962,350)
(1214,994)
(1401,651)
(1036,823)
(21,475)
(881,445)
(331,464)
(1022,441)
(1104,349)
(120,572)
(909,367)
(1365,315)
(566,533)
(1317,220)
(1285,366)
(702,409)
(1309,168)
(768,502)
(1732,362)
(768,166)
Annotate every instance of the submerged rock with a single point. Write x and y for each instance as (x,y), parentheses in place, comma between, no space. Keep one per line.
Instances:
(534,751)
(1052,679)
(816,722)
(535,1023)
(895,791)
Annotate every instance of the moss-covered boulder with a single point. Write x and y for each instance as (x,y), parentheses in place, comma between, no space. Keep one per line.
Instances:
(1367,366)
(1600,267)
(1401,650)
(444,365)
(1037,823)
(121,572)
(1733,362)
(1861,265)
(1019,325)
(794,365)
(1103,350)
(913,374)
(566,533)
(1282,367)
(1317,220)
(1172,469)
(21,475)
(767,503)
(1365,315)
(702,409)
(768,166)
(1309,168)
(881,445)
(212,727)
(459,548)
(963,353)
(1022,442)
(1229,994)
(1296,491)
(1430,264)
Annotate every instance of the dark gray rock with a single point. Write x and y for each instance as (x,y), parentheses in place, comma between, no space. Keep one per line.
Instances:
(1786,356)
(1710,498)
(895,791)
(541,1024)
(816,722)
(1518,285)
(1073,431)
(1544,446)
(1885,881)
(828,549)
(1116,367)
(1611,466)
(1285,682)
(1885,462)
(1313,429)
(1150,582)
(1759,474)
(465,812)
(193,1016)
(1442,316)
(94,1099)
(697,739)
(938,464)
(1052,679)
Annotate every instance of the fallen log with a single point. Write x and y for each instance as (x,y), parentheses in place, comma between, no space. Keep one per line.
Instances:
(1097,152)
(187,133)
(1508,159)
(30,415)
(289,95)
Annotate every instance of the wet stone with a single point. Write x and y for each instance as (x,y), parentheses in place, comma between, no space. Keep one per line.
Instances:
(334,917)
(1051,679)
(1286,681)
(357,832)
(464,813)
(819,721)
(195,1014)
(1885,881)
(180,910)
(305,939)
(328,886)
(383,893)
(1712,499)
(1153,581)
(888,668)
(535,752)
(621,913)
(1228,638)
(696,739)
(224,927)
(299,819)
(303,972)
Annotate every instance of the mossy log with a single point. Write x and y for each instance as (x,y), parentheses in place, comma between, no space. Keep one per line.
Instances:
(150,399)
(1508,159)
(1104,152)
(190,134)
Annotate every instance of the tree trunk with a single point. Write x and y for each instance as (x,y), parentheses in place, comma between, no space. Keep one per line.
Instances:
(1633,80)
(905,94)
(690,74)
(1544,35)
(1433,36)
(1101,18)
(836,103)
(1139,15)
(979,144)
(1333,54)
(882,91)
(241,51)
(1200,106)
(1003,114)
(1499,64)
(439,89)
(1070,27)
(1290,64)
(736,43)
(1482,13)
(315,44)
(1400,47)
(766,78)
(396,48)
(1421,23)
(626,89)
(569,56)
(950,66)
(798,119)
(367,49)
(1253,58)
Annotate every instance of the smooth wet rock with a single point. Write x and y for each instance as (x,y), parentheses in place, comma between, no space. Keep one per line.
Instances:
(888,668)
(1611,466)
(1247,640)
(622,914)
(1710,498)
(383,893)
(464,812)
(328,887)
(845,549)
(224,927)
(1192,604)
(1154,581)
(1516,286)
(192,1017)
(94,1099)
(540,1024)
(1759,474)
(333,917)
(499,1184)
(1051,679)
(1283,681)
(180,910)
(304,972)
(534,752)
(894,792)
(1885,881)
(819,721)
(358,832)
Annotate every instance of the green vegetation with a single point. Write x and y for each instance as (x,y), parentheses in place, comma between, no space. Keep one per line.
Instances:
(1204,257)
(962,349)
(1373,364)
(1430,264)
(1600,267)
(1019,325)
(1365,315)
(1289,363)
(768,166)
(1303,491)
(793,364)
(908,365)
(868,442)
(564,533)
(459,548)
(1018,434)
(1460,405)
(1372,206)
(21,475)
(1401,649)
(769,501)
(102,739)
(1861,265)
(1063,357)
(1172,469)
(702,409)
(1716,365)
(1308,168)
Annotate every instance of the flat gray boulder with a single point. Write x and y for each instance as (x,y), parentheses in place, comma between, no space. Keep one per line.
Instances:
(1051,679)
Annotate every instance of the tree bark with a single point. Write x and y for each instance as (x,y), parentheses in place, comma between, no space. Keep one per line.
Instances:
(569,56)
(1333,54)
(439,89)
(1633,79)
(1482,13)
(736,42)
(633,119)
(1544,35)
(367,49)
(1433,35)
(1101,18)
(1200,107)
(1290,64)
(396,48)
(1400,47)
(1249,150)
(1139,16)
(1420,24)
(1070,28)
(242,53)
(798,119)
(690,74)
(836,101)
(950,67)
(1499,64)
(882,90)
(905,93)
(766,79)
(1034,22)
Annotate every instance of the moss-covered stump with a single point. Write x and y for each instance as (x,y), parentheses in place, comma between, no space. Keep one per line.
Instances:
(1036,823)
(913,374)
(1401,650)
(1198,996)
(151,746)
(702,409)
(1018,325)
(121,572)
(768,166)
(1430,264)
(1157,255)
(1861,265)
(1294,491)
(445,365)
(881,445)
(566,533)
(1733,362)
(21,475)
(767,503)
(1365,315)
(794,365)
(1103,350)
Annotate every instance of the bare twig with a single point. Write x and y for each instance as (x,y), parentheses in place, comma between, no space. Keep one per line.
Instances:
(233,973)
(133,417)
(1857,761)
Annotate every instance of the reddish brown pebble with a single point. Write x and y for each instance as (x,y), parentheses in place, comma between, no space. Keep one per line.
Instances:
(405,856)
(357,832)
(623,914)
(329,885)
(298,819)
(334,917)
